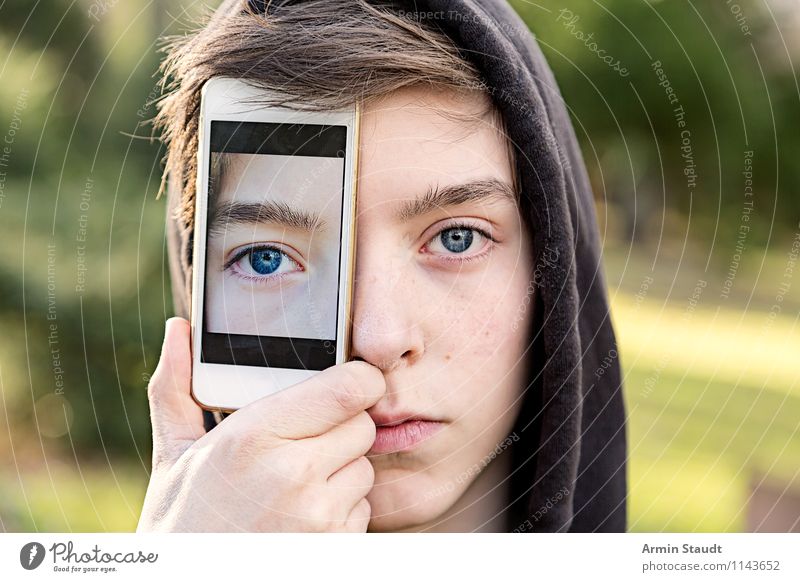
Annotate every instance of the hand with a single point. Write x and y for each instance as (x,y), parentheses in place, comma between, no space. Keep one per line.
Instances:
(291,461)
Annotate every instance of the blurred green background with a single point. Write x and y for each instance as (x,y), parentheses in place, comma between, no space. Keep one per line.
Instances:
(702,275)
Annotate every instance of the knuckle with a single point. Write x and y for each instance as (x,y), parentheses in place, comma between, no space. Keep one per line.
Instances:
(279,427)
(367,373)
(153,387)
(365,507)
(366,426)
(345,390)
(317,512)
(366,471)
(358,474)
(360,516)
(375,379)
(360,431)
(299,463)
(241,446)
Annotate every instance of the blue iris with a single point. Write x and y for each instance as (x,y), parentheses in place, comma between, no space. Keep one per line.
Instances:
(265,261)
(456,240)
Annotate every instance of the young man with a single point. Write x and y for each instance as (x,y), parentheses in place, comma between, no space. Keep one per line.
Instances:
(480,317)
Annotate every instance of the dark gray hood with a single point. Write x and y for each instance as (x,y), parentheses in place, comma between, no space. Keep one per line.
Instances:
(570,460)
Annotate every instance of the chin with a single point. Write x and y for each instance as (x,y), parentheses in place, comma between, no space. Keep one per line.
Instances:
(402,499)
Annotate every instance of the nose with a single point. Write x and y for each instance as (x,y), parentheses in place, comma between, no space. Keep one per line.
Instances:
(385,332)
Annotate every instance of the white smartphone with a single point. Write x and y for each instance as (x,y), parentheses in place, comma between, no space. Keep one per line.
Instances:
(274,244)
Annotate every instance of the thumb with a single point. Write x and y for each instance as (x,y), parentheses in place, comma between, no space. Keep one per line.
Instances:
(176,418)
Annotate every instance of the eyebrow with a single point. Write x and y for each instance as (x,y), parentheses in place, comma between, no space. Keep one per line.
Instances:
(452,195)
(268,211)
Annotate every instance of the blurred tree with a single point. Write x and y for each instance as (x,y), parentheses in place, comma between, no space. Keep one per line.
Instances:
(738,92)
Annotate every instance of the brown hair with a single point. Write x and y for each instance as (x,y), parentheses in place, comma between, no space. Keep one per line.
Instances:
(318,54)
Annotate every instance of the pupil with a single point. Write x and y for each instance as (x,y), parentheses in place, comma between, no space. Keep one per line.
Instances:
(457,240)
(265,261)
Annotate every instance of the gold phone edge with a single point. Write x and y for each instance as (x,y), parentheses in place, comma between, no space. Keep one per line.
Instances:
(353,239)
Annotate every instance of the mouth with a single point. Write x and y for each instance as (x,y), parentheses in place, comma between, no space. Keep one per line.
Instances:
(403,435)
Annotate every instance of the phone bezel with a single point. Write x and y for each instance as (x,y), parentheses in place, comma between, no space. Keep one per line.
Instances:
(227,387)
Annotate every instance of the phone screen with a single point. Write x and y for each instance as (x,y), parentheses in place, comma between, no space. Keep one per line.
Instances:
(273,244)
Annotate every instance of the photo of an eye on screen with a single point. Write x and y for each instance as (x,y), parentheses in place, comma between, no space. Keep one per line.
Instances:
(274,219)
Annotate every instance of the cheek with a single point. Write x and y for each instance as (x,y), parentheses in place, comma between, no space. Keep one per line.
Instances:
(483,349)
(483,325)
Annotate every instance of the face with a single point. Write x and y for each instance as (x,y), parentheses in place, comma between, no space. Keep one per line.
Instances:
(268,275)
(443,266)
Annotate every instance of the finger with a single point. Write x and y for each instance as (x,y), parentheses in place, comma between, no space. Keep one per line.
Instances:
(357,478)
(319,404)
(342,444)
(176,418)
(350,484)
(359,517)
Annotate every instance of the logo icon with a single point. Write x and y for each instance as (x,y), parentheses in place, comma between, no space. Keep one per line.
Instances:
(31,555)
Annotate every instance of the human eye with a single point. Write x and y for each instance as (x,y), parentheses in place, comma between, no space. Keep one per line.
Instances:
(262,264)
(460,241)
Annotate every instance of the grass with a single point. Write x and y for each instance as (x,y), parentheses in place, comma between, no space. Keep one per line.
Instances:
(61,499)
(714,405)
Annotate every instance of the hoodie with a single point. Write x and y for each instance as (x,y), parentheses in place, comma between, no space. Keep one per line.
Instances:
(569,463)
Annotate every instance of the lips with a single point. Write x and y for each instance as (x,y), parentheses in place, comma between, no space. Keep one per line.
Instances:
(395,435)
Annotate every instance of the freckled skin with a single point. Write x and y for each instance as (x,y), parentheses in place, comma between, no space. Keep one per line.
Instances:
(443,334)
